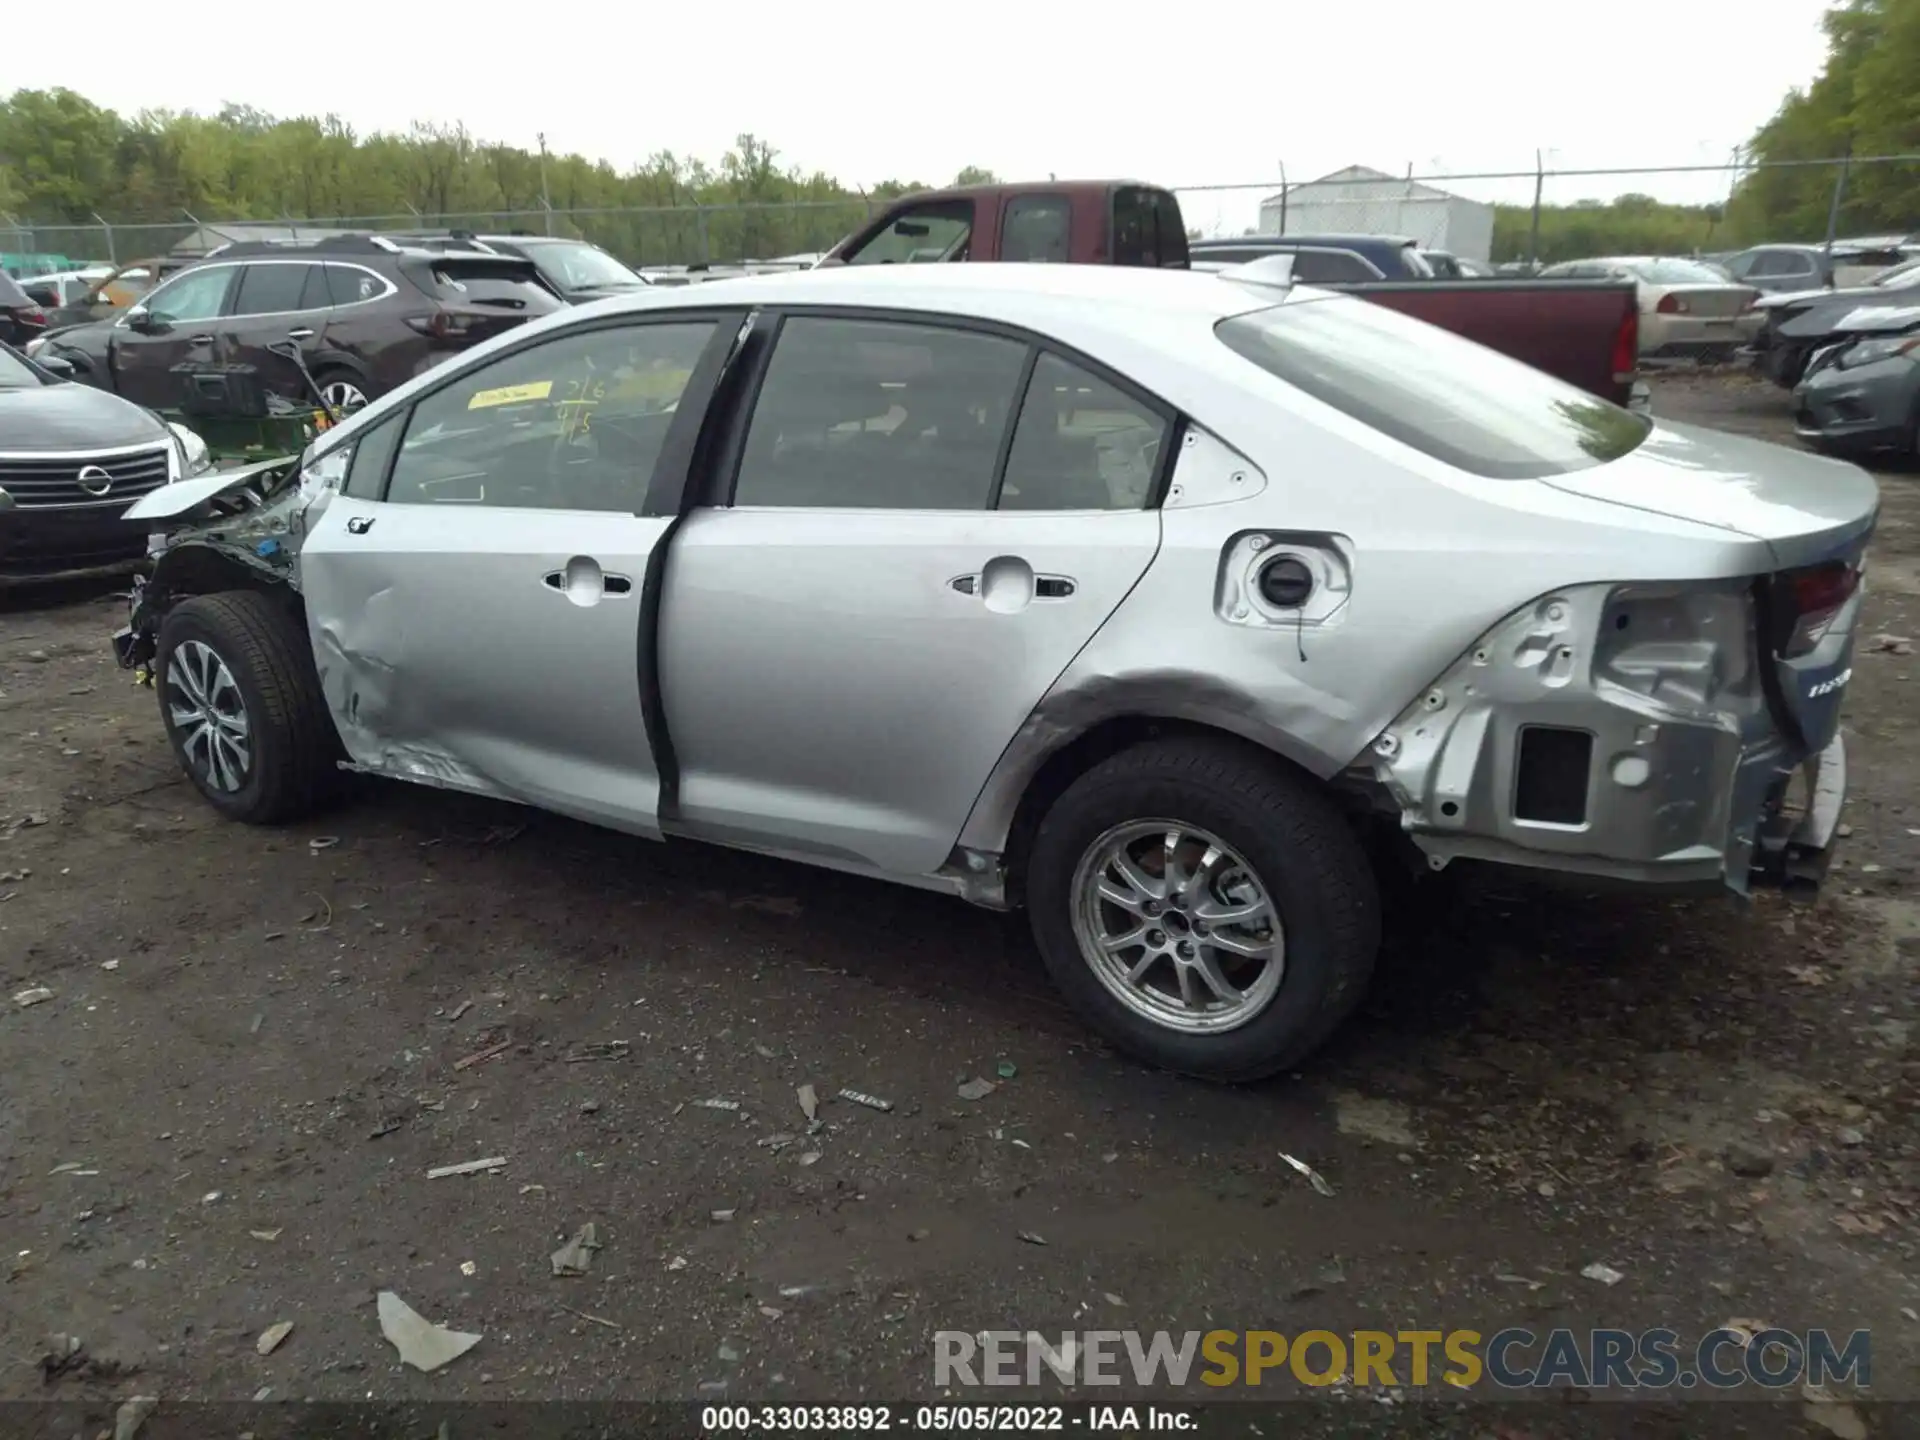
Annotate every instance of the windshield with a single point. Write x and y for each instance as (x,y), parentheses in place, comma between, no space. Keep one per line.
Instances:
(581,267)
(1449,398)
(1675,272)
(14,373)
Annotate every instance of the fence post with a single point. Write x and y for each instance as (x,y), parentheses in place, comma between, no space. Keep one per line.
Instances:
(1533,233)
(706,255)
(1839,194)
(113,256)
(1283,197)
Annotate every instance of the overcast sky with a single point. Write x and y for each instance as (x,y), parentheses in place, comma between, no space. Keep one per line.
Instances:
(1183,95)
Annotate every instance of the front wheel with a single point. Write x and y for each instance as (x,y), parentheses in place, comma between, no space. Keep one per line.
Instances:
(1204,907)
(242,707)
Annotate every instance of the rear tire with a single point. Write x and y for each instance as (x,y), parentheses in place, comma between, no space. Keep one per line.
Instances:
(1288,879)
(242,707)
(343,389)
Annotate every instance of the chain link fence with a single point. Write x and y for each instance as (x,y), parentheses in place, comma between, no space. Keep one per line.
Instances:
(641,236)
(1541,214)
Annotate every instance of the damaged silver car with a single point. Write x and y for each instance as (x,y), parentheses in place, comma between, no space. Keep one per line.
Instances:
(1168,606)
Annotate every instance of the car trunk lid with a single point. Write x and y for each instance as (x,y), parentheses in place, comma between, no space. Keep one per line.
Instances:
(1815,516)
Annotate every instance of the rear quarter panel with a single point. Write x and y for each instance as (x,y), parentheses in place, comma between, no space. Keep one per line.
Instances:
(1567,329)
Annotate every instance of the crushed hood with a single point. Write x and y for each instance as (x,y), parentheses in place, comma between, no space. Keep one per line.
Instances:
(172,501)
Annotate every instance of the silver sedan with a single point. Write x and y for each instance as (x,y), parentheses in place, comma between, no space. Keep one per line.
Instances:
(1165,605)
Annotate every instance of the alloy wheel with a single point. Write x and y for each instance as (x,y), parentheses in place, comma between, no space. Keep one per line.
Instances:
(209,716)
(1177,926)
(343,395)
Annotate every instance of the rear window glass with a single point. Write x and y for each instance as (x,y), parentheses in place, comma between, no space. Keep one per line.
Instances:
(1459,402)
(502,284)
(1676,272)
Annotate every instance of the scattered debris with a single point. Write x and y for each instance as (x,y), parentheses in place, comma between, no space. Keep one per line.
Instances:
(1745,1329)
(591,1319)
(1832,1415)
(1112,1299)
(1890,645)
(589,1107)
(533,1189)
(809,1102)
(772,1312)
(872,1102)
(32,995)
(728,1354)
(1911,1313)
(812,1157)
(1386,1121)
(720,1217)
(1605,1274)
(795,1292)
(271,1337)
(263,1394)
(776,1142)
(915,1236)
(421,1344)
(1749,1161)
(468,1167)
(1006,1070)
(459,1010)
(386,1127)
(501,1047)
(109,964)
(977,1089)
(253,1027)
(212,1197)
(467,1267)
(64,1353)
(716,1104)
(678,1262)
(604,1050)
(576,1256)
(1031,1238)
(267,1235)
(1851,1136)
(1314,1177)
(132,1414)
(71,1167)
(323,842)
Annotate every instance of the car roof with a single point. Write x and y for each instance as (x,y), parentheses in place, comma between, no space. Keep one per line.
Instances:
(1328,238)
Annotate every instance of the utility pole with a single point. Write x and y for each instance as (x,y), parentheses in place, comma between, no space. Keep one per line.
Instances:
(546,198)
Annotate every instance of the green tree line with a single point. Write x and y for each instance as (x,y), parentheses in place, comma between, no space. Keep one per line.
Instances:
(66,162)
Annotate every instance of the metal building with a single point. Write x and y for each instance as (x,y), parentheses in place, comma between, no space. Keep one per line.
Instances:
(1363,201)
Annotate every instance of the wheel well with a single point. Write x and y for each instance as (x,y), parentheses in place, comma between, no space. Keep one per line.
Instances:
(1074,759)
(193,570)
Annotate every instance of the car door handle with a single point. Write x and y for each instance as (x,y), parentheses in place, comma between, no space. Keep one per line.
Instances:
(577,581)
(201,340)
(303,333)
(1052,587)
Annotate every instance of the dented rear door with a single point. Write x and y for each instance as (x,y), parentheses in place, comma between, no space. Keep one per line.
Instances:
(476,593)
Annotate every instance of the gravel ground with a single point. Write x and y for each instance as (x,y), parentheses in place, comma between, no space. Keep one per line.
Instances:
(260,1043)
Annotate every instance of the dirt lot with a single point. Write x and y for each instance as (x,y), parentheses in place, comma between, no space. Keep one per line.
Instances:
(225,1116)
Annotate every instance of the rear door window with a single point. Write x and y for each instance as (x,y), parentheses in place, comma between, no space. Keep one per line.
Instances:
(270,288)
(940,230)
(1037,228)
(1462,404)
(350,285)
(1080,444)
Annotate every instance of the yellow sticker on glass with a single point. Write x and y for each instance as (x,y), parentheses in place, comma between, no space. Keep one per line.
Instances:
(511,395)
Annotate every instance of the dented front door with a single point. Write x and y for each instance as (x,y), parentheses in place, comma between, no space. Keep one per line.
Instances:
(474,595)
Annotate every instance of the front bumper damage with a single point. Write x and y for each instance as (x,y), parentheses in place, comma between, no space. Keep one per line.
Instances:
(1617,733)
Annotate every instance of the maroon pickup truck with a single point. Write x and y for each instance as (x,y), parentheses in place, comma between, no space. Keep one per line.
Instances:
(1586,333)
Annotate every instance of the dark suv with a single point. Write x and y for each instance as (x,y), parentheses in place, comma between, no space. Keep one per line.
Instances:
(579,271)
(366,313)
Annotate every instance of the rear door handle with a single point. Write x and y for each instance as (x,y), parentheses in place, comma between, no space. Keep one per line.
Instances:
(303,333)
(1051,587)
(201,340)
(580,587)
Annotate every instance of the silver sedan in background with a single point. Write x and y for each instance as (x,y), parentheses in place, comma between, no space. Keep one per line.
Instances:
(1164,605)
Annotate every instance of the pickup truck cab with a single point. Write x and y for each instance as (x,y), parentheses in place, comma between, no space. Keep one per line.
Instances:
(1586,334)
(1073,222)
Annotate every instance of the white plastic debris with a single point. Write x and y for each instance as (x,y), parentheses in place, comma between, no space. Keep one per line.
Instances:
(132,1414)
(809,1102)
(271,1337)
(1605,1274)
(977,1089)
(1314,1177)
(468,1167)
(717,1104)
(34,995)
(872,1102)
(421,1343)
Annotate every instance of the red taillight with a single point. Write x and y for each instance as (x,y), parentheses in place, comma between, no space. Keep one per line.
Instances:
(32,315)
(445,324)
(1672,305)
(1816,595)
(1626,347)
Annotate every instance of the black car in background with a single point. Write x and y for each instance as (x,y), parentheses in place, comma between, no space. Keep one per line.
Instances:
(1781,268)
(1321,259)
(577,270)
(22,318)
(1799,323)
(366,313)
(72,459)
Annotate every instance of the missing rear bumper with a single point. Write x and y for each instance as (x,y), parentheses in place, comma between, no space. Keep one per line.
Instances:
(1795,846)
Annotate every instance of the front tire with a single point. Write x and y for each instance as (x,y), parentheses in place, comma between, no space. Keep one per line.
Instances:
(242,707)
(1204,907)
